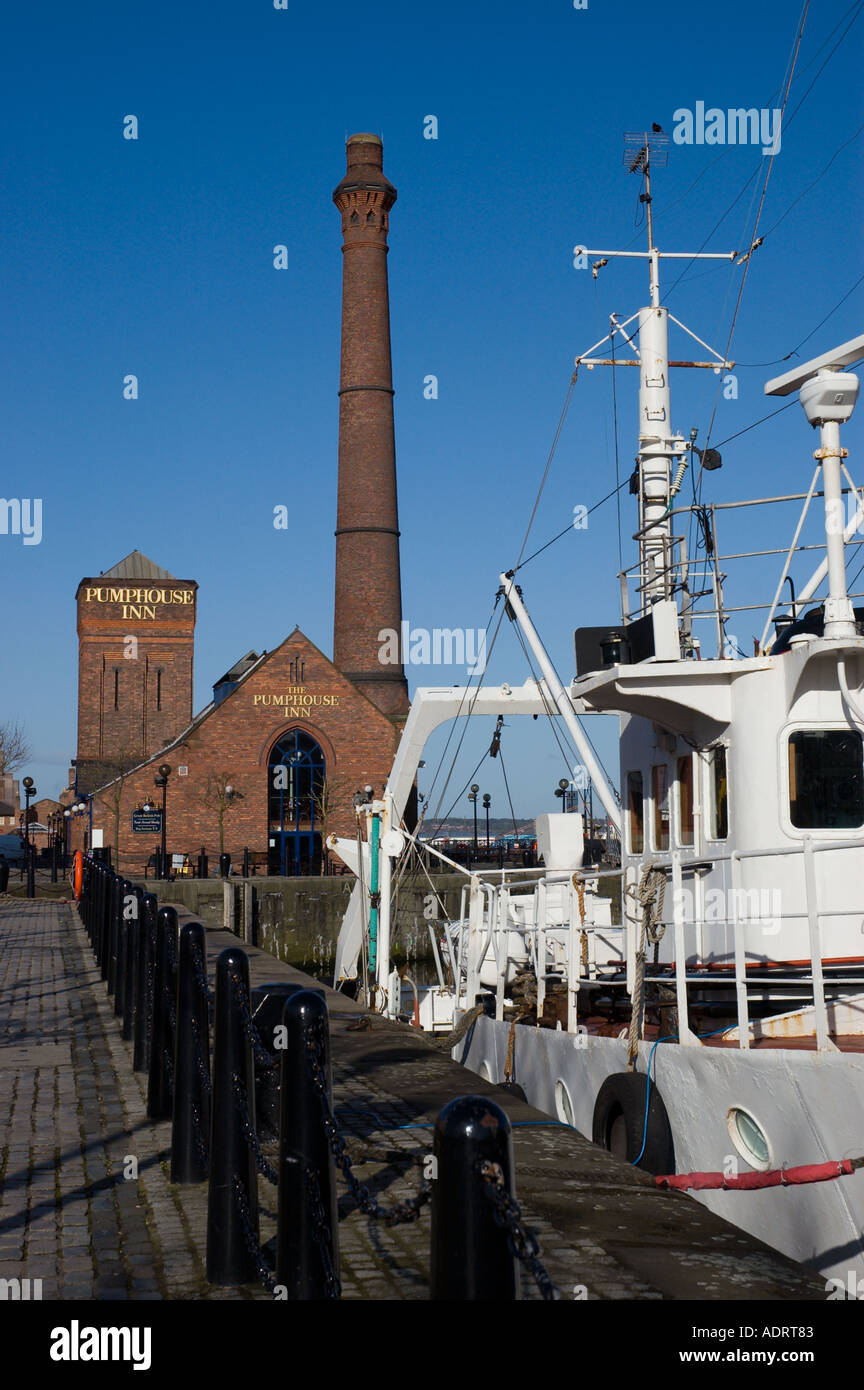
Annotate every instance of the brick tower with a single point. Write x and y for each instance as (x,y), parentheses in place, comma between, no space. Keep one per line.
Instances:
(368,586)
(136,626)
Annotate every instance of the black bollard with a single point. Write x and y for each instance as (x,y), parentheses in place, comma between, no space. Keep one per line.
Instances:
(190,1133)
(229,1261)
(127,907)
(307,1259)
(224,865)
(160,1080)
(146,967)
(470,1261)
(246,862)
(109,945)
(203,866)
(31,872)
(267,1003)
(133,953)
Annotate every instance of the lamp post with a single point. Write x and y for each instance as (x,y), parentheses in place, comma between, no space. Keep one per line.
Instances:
(472,797)
(29,793)
(162,781)
(67,826)
(561,790)
(487,802)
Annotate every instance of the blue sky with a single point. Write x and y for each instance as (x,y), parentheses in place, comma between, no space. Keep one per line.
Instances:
(154,257)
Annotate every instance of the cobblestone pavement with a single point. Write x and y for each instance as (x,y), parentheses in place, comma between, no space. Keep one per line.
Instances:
(86,1206)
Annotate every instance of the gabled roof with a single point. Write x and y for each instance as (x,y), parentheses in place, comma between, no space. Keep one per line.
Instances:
(136,566)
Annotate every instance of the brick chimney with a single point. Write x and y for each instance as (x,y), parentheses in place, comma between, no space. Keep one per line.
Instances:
(368,587)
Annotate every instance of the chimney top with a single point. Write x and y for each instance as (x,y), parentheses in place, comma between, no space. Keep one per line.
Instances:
(365,162)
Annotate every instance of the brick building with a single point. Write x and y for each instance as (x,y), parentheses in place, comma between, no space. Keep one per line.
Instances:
(274,760)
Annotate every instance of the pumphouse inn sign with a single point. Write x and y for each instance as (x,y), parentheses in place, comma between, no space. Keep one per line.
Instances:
(142,602)
(296,701)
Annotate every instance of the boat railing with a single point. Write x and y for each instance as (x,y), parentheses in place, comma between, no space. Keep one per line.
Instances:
(485,911)
(690,578)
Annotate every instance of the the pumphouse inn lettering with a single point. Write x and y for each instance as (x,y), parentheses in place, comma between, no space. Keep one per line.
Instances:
(138,603)
(297,702)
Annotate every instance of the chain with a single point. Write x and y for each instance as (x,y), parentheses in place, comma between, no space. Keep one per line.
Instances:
(262,1056)
(521,1240)
(253,1245)
(406,1211)
(200,973)
(323,1236)
(265,1169)
(203,1069)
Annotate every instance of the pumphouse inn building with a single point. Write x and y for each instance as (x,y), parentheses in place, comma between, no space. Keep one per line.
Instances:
(273,762)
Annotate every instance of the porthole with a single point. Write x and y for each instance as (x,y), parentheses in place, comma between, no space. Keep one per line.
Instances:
(749,1138)
(563,1104)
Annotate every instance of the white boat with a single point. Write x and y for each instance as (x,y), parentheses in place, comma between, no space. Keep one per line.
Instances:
(715,1022)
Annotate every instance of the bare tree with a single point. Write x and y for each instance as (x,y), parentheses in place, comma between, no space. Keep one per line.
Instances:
(219,795)
(328,798)
(117,770)
(14,746)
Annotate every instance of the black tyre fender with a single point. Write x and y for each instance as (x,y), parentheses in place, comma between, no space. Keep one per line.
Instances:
(619,1123)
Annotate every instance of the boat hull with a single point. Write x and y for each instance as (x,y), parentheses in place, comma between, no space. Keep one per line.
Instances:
(810,1106)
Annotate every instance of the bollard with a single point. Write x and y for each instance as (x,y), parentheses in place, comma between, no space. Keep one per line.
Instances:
(203,866)
(267,1003)
(4,875)
(146,967)
(160,1080)
(224,865)
(246,861)
(134,927)
(229,1260)
(307,1258)
(109,946)
(471,1261)
(126,899)
(102,901)
(190,1131)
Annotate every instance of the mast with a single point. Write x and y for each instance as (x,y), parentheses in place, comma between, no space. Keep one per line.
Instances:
(659,447)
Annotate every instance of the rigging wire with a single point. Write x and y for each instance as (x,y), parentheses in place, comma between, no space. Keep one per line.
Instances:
(509,797)
(763,194)
(549,459)
(568,528)
(818,179)
(792,352)
(455,722)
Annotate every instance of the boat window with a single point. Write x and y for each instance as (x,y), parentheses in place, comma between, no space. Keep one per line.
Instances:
(719,795)
(660,797)
(685,800)
(635,812)
(826,779)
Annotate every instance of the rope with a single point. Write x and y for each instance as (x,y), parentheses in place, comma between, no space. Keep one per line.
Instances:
(649,896)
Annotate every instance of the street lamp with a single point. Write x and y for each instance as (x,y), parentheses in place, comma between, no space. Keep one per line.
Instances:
(561,790)
(472,797)
(487,802)
(162,781)
(29,793)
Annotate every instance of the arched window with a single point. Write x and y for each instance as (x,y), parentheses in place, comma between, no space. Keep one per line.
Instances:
(296,775)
